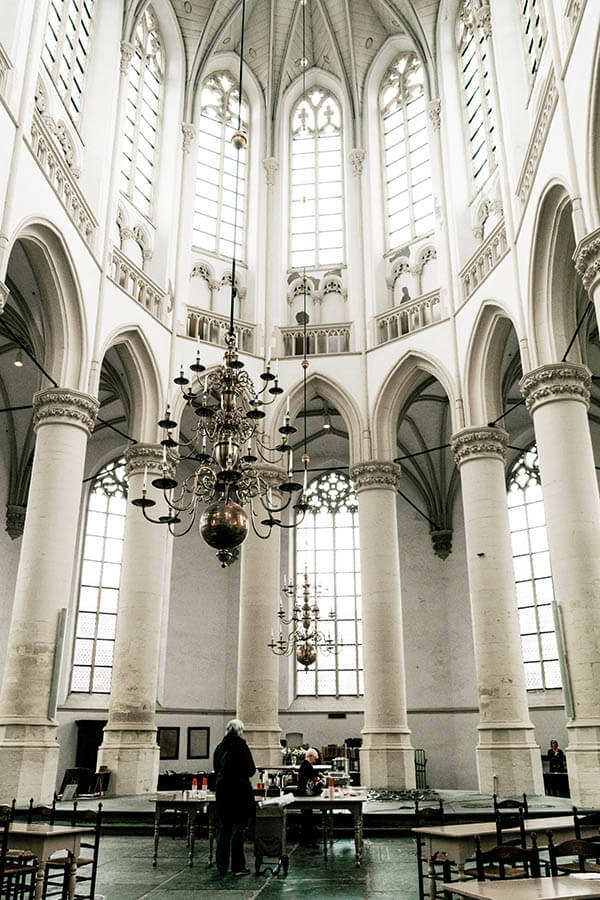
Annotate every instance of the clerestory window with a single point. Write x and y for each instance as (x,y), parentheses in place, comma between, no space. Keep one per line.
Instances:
(533,33)
(67,47)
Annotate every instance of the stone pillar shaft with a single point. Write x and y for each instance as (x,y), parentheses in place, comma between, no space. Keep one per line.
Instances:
(63,421)
(129,747)
(508,758)
(387,756)
(557,397)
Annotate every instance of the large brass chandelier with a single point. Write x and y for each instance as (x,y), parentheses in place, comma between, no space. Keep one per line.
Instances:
(228,440)
(304,639)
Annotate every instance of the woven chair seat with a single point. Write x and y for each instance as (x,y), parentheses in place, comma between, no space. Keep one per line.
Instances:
(575,867)
(493,872)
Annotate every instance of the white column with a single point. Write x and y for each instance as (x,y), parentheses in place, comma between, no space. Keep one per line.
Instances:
(63,420)
(258,667)
(386,756)
(508,758)
(557,396)
(129,748)
(587,264)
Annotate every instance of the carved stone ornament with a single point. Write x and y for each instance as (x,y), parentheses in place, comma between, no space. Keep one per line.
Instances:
(587,260)
(41,97)
(357,160)
(271,167)
(479,443)
(189,133)
(556,381)
(15,520)
(375,474)
(4,292)
(483,17)
(442,542)
(127,51)
(434,108)
(140,456)
(61,405)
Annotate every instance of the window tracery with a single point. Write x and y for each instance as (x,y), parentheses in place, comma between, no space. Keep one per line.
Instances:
(327,543)
(317,184)
(409,190)
(533,575)
(533,33)
(96,623)
(142,111)
(66,48)
(214,226)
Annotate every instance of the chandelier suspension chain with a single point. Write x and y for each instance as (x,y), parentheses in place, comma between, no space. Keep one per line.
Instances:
(237,172)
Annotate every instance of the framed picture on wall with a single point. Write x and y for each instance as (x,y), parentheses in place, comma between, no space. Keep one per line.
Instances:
(168,741)
(198,743)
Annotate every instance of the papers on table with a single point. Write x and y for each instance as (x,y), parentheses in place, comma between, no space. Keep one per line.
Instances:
(283,800)
(586,876)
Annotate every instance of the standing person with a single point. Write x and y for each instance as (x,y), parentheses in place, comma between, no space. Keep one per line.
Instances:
(234,766)
(309,784)
(556,757)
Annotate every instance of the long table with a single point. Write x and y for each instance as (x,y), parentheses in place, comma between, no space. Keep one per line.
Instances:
(525,889)
(44,840)
(191,804)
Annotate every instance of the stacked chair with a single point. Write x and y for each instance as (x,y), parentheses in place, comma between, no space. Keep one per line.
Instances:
(18,870)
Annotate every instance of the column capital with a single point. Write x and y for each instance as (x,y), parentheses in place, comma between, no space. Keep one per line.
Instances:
(4,292)
(140,456)
(271,167)
(188,131)
(127,51)
(587,260)
(62,405)
(484,442)
(376,474)
(434,108)
(556,381)
(483,18)
(357,160)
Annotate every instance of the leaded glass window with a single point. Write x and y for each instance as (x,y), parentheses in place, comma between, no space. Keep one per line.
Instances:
(477,93)
(218,172)
(100,578)
(327,543)
(408,187)
(317,183)
(533,32)
(66,48)
(533,575)
(142,112)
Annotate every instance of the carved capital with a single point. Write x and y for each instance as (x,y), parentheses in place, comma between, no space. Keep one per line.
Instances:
(270,476)
(483,18)
(189,133)
(127,51)
(434,112)
(375,474)
(479,443)
(140,456)
(4,292)
(66,407)
(556,381)
(271,167)
(15,520)
(587,260)
(357,160)
(442,542)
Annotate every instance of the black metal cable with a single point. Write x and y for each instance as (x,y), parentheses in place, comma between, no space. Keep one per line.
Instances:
(18,340)
(579,324)
(237,173)
(15,408)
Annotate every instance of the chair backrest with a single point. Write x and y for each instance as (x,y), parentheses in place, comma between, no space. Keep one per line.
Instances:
(592,820)
(47,813)
(581,849)
(4,826)
(505,821)
(429,815)
(509,855)
(510,803)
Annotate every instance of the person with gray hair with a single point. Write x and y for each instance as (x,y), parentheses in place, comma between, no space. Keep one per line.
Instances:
(309,784)
(234,766)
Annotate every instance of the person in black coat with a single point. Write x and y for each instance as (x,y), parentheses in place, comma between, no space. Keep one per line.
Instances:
(309,785)
(234,766)
(556,757)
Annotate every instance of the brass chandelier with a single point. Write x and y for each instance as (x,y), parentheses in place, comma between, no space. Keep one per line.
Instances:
(303,639)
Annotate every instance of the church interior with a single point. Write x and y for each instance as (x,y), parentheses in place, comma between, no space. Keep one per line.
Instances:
(300,400)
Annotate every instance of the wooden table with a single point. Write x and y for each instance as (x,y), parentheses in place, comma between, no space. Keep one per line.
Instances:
(525,889)
(328,807)
(458,841)
(44,840)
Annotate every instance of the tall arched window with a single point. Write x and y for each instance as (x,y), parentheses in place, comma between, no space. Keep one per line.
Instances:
(66,48)
(100,577)
(214,207)
(317,183)
(475,76)
(408,188)
(532,573)
(327,543)
(142,110)
(533,32)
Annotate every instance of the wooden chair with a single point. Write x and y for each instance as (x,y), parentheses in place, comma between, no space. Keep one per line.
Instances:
(510,803)
(592,820)
(583,850)
(507,861)
(59,868)
(17,873)
(15,856)
(505,822)
(430,815)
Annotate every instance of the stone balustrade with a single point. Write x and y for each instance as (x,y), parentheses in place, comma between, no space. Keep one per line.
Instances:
(484,261)
(320,339)
(408,317)
(212,328)
(55,168)
(139,286)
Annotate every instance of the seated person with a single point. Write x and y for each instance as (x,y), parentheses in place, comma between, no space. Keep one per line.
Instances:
(309,785)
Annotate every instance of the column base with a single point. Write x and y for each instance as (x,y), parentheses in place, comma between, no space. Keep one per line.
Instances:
(583,762)
(387,760)
(509,761)
(265,746)
(132,756)
(28,762)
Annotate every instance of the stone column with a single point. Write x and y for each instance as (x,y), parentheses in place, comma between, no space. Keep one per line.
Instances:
(508,758)
(258,667)
(129,748)
(557,396)
(63,420)
(387,756)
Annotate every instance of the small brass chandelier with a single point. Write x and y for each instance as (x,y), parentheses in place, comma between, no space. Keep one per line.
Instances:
(227,439)
(304,639)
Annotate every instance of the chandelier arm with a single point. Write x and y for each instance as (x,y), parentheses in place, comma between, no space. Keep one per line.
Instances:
(149,519)
(185,531)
